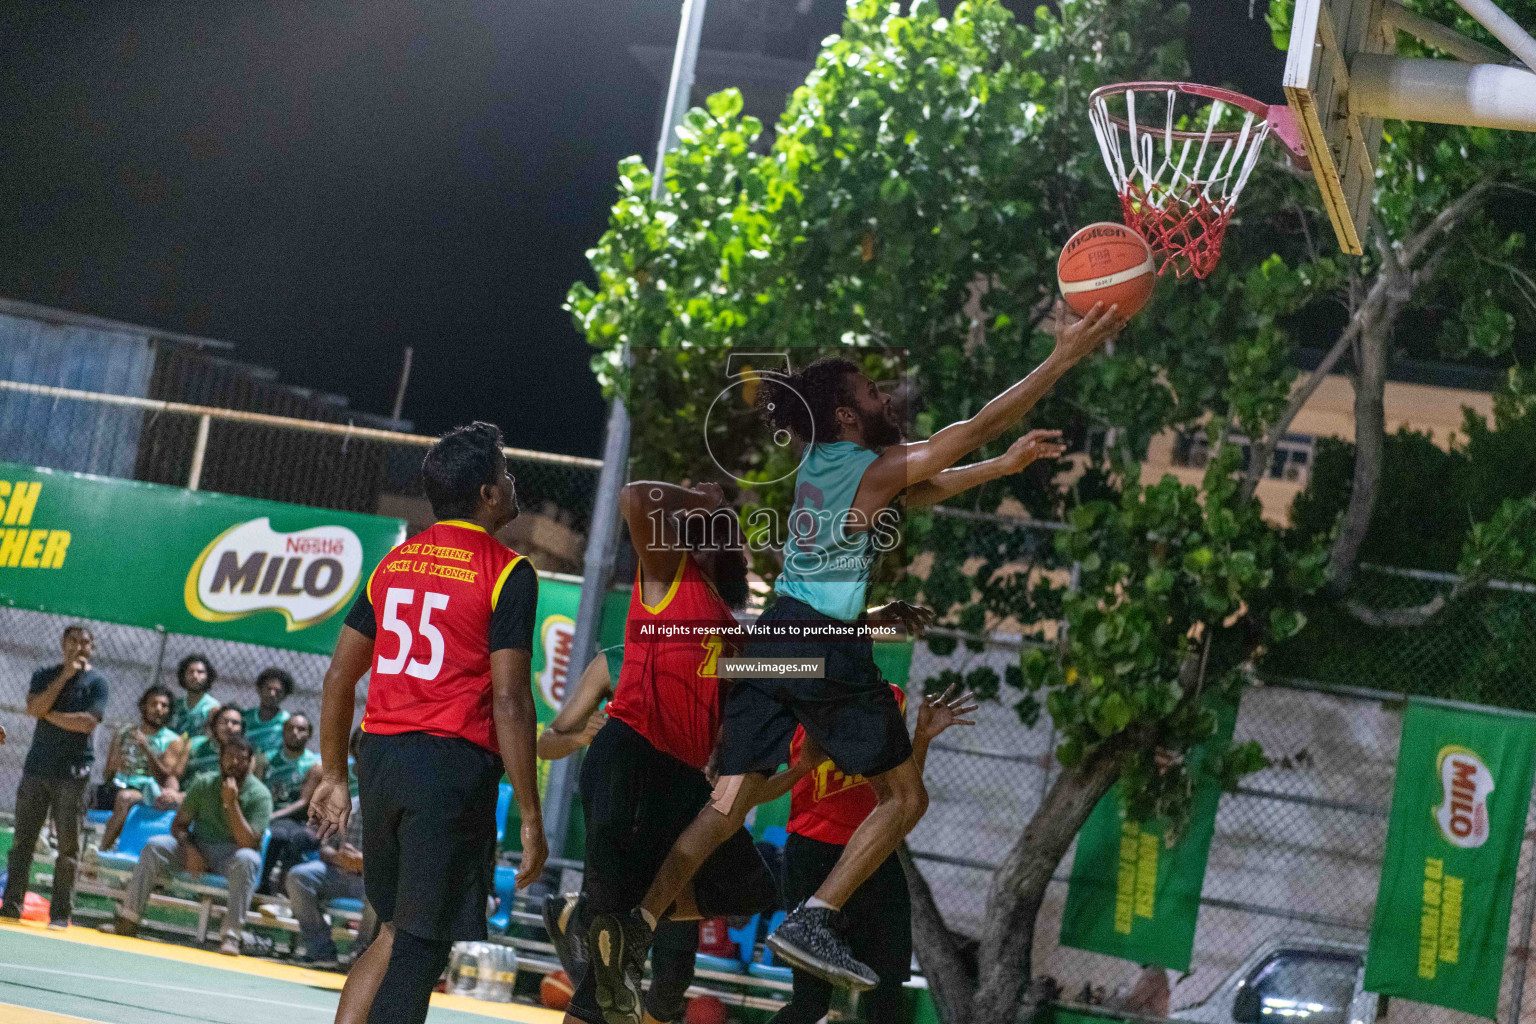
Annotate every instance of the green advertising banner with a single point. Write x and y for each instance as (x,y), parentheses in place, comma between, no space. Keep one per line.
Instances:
(212,565)
(1131,894)
(1453,844)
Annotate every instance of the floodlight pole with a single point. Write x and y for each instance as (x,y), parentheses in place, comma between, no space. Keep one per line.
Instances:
(603,534)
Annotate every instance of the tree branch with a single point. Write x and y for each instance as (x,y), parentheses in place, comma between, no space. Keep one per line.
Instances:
(1446,220)
(937,952)
(1265,450)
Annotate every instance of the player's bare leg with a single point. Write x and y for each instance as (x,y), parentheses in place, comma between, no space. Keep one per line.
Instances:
(903,799)
(364,978)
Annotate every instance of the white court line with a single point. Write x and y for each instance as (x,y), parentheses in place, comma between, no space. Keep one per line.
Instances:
(167,988)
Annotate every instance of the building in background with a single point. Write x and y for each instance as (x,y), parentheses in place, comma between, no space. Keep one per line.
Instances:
(1422,396)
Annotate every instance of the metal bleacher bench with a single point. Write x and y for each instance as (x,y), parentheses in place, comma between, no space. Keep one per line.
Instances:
(204,895)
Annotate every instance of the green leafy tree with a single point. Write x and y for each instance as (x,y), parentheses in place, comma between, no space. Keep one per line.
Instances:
(1447,246)
(915,199)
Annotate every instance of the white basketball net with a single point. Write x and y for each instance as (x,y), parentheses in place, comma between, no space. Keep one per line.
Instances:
(1179,192)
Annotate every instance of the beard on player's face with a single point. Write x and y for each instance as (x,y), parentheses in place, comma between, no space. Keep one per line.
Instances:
(880,427)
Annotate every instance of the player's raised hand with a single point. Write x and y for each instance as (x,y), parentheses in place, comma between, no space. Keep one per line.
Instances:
(535,853)
(1035,445)
(329,808)
(713,493)
(914,618)
(940,711)
(1077,338)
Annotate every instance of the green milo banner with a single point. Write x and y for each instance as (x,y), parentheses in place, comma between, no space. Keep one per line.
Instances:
(213,565)
(1131,894)
(1453,844)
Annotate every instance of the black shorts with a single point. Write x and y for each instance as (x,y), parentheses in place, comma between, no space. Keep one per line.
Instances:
(851,712)
(637,801)
(429,832)
(879,914)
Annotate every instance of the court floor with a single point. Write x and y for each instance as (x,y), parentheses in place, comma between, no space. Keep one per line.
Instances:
(85,977)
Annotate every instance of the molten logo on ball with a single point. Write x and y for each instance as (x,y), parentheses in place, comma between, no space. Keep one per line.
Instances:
(1106,263)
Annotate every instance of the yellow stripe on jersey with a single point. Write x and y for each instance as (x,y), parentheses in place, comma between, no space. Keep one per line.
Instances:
(501,580)
(460,523)
(671,591)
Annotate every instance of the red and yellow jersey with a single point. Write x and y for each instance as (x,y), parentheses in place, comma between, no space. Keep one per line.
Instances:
(436,607)
(668,689)
(827,805)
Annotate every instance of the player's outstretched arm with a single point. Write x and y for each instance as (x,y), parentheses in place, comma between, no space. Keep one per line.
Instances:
(516,724)
(647,507)
(331,804)
(579,719)
(1035,445)
(936,714)
(906,465)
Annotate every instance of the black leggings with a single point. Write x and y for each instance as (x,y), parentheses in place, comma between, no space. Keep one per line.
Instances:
(415,964)
(813,998)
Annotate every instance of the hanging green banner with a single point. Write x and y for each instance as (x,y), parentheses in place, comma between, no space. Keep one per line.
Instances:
(1453,843)
(1132,895)
(212,565)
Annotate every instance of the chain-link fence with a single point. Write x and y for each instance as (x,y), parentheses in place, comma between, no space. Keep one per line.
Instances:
(1297,851)
(318,463)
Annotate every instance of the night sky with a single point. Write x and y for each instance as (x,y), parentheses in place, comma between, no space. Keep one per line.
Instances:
(324,183)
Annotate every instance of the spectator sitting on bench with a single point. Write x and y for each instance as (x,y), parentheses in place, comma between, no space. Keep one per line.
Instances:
(141,763)
(338,874)
(189,714)
(293,772)
(264,723)
(203,753)
(218,828)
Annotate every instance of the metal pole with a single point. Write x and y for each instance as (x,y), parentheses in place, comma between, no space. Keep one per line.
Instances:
(1523,949)
(160,657)
(1443,91)
(1503,28)
(199,449)
(603,535)
(405,377)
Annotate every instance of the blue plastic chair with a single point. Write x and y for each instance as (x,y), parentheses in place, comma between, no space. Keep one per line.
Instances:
(745,938)
(505,886)
(766,968)
(775,835)
(503,806)
(142,823)
(346,903)
(98,817)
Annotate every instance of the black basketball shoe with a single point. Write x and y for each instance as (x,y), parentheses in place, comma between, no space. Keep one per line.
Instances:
(564,915)
(811,938)
(617,947)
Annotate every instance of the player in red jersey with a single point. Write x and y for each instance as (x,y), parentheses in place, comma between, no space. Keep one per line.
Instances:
(826,808)
(643,779)
(445,625)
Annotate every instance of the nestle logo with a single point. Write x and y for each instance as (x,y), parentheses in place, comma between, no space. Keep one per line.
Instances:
(315,546)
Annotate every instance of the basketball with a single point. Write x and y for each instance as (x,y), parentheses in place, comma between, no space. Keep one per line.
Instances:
(1108,263)
(704,1010)
(555,990)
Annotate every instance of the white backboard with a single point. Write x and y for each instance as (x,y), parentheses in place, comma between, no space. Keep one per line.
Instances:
(1341,142)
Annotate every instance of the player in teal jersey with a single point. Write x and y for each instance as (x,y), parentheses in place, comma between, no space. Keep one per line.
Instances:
(264,723)
(138,761)
(856,465)
(293,772)
(189,713)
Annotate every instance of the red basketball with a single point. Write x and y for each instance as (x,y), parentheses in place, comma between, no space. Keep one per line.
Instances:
(1108,263)
(704,1010)
(555,990)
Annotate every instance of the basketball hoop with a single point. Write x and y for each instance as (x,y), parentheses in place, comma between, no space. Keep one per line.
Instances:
(1180,162)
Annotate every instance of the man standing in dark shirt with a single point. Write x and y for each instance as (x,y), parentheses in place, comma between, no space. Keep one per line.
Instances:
(68,700)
